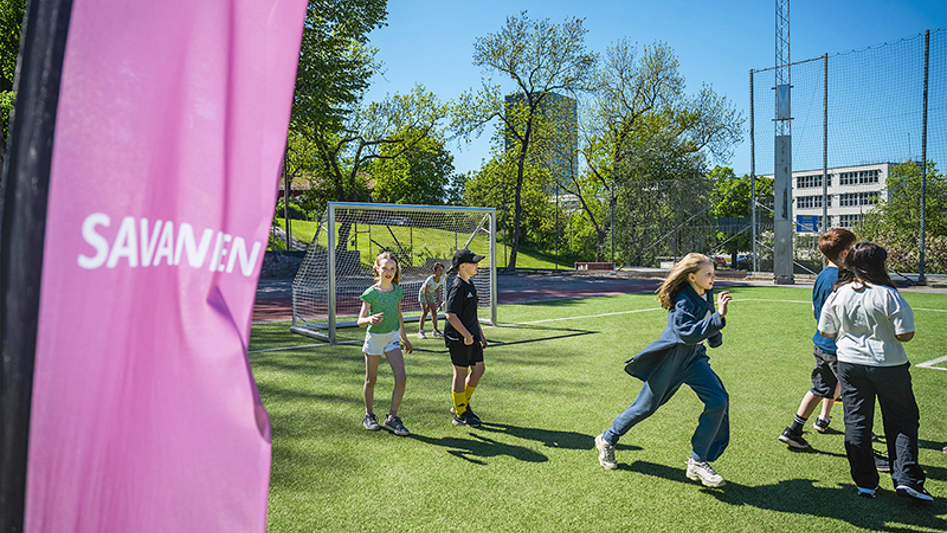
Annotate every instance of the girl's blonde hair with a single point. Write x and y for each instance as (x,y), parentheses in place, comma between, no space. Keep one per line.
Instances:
(376,267)
(677,277)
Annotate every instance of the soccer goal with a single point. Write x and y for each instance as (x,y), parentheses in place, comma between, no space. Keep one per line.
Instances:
(338,263)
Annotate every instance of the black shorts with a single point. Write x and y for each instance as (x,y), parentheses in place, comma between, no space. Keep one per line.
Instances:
(465,354)
(824,374)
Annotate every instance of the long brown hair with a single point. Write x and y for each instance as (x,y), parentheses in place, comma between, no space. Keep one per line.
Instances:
(677,277)
(376,267)
(865,263)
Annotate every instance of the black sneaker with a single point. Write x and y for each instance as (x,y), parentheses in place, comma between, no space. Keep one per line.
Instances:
(466,420)
(918,494)
(881,462)
(793,440)
(371,423)
(469,413)
(394,425)
(822,424)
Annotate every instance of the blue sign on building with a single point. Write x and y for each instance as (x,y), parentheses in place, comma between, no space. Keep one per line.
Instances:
(807,223)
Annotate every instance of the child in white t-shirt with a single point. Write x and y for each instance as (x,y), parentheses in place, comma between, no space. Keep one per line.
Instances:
(431,291)
(870,320)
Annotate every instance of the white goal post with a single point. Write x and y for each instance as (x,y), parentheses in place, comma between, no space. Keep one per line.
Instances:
(338,263)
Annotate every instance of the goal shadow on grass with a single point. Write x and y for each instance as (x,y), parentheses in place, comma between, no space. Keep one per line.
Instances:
(803,497)
(479,447)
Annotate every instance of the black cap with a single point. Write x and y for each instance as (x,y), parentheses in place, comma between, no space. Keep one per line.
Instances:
(464,256)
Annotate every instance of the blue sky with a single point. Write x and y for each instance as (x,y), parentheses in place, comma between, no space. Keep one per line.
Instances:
(431,42)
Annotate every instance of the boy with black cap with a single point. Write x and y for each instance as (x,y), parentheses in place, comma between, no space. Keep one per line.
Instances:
(464,337)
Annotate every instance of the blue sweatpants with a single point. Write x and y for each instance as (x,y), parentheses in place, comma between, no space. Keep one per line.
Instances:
(685,365)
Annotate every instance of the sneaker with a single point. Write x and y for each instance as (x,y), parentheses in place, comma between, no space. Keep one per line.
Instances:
(822,424)
(421,334)
(394,425)
(918,494)
(867,493)
(793,440)
(705,473)
(606,453)
(466,420)
(371,423)
(469,412)
(881,462)
(438,334)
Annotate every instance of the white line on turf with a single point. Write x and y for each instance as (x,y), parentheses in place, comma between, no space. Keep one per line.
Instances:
(301,346)
(932,362)
(579,317)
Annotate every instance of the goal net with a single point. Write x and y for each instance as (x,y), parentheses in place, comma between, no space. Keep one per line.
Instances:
(338,263)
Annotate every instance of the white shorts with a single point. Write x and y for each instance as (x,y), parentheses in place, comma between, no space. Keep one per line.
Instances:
(379,343)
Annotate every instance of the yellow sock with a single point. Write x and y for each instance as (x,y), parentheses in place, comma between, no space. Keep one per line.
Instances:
(468,391)
(460,402)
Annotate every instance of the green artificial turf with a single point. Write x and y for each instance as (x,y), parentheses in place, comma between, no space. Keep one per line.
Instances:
(554,380)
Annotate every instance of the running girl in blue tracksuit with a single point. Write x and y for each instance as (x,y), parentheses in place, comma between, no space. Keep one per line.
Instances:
(678,357)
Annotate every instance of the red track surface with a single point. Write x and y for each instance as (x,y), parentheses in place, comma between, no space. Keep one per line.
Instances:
(512,289)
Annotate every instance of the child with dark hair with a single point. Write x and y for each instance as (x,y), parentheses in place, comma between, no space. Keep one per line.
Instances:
(679,358)
(870,320)
(834,245)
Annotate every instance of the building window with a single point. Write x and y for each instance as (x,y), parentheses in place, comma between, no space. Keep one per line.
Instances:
(860,177)
(859,198)
(808,182)
(847,221)
(812,202)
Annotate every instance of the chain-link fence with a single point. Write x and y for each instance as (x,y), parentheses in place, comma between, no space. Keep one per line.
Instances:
(862,123)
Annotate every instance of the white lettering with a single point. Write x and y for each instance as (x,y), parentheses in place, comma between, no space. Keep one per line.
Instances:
(195,253)
(239,250)
(126,244)
(166,245)
(94,240)
(216,260)
(148,244)
(154,244)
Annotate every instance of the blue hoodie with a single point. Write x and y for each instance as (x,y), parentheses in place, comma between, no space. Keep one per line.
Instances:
(688,326)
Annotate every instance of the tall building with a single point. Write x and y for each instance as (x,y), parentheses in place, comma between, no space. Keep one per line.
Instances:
(559,143)
(851,192)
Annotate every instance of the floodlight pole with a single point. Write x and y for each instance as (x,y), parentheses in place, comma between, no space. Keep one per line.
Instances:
(782,179)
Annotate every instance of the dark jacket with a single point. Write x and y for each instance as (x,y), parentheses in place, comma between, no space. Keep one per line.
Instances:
(687,328)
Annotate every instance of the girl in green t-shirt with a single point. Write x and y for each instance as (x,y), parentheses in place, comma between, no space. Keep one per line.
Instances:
(381,312)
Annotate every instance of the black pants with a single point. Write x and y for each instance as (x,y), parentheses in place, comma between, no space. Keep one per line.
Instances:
(861,384)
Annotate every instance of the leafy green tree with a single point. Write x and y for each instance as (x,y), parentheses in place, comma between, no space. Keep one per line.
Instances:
(541,59)
(335,62)
(733,206)
(493,185)
(641,126)
(11,20)
(900,214)
(421,175)
(896,222)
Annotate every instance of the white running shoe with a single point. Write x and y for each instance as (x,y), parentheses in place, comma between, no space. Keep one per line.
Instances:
(705,473)
(606,453)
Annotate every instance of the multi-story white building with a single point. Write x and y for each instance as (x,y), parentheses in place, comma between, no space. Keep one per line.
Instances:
(851,192)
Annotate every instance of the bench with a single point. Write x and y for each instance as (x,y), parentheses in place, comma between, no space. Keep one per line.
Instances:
(594,265)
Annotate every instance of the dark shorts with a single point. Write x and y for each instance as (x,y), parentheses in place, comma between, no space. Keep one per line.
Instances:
(824,374)
(465,355)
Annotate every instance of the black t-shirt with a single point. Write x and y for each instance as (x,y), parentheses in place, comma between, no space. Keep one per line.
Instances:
(462,301)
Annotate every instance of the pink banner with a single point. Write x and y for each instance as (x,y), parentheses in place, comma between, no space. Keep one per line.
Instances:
(170,131)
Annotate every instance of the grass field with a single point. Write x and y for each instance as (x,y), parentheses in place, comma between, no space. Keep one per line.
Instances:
(394,237)
(554,380)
